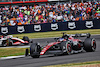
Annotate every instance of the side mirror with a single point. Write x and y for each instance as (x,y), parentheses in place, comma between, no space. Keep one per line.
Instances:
(76,35)
(56,39)
(47,42)
(31,41)
(88,35)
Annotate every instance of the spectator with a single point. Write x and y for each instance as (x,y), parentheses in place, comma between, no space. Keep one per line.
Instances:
(33,14)
(0,19)
(65,17)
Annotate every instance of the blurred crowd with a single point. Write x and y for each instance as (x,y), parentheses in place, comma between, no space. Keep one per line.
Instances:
(48,13)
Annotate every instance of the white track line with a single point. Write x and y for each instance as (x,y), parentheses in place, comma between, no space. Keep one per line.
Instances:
(17,47)
(11,57)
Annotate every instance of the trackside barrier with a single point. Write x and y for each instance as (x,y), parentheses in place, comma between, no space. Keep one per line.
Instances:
(59,26)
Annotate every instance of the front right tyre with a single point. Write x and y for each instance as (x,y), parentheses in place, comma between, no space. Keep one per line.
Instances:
(66,47)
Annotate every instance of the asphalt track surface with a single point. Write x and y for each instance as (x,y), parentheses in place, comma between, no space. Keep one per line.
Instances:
(46,60)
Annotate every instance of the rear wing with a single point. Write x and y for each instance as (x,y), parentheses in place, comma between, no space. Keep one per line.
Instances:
(88,35)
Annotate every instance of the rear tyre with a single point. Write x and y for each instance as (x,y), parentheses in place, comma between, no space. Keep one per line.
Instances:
(25,38)
(35,50)
(89,45)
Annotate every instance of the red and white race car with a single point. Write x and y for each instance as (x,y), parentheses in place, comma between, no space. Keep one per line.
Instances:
(67,44)
(9,40)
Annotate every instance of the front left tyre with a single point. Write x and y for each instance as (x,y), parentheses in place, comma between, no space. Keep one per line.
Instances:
(35,50)
(10,42)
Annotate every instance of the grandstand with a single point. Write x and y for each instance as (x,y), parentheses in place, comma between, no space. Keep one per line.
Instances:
(5,2)
(32,1)
(47,12)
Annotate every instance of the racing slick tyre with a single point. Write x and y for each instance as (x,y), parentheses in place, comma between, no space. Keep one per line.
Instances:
(10,43)
(4,43)
(25,38)
(7,42)
(67,47)
(89,45)
(35,50)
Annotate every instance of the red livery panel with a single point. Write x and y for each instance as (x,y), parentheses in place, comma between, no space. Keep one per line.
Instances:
(47,47)
(17,2)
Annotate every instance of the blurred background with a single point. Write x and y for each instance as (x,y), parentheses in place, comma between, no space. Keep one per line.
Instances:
(22,12)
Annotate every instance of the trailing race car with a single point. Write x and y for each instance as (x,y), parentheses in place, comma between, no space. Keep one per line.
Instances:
(67,44)
(9,40)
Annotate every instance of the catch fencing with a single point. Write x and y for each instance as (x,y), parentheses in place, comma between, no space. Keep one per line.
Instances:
(59,26)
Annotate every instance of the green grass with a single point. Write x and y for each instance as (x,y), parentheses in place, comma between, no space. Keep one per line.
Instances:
(75,64)
(4,52)
(56,33)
